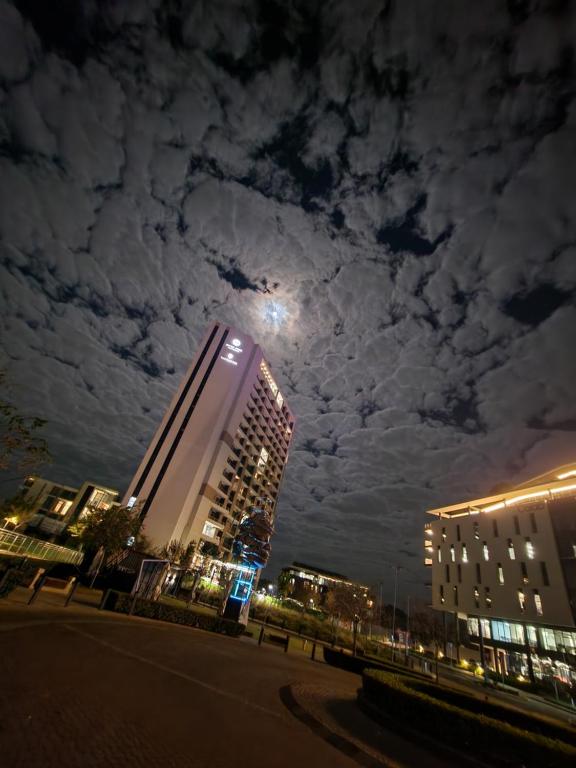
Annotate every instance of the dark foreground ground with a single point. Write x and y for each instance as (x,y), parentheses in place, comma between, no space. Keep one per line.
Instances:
(82,688)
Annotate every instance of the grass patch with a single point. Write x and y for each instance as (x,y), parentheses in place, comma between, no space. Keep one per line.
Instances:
(490,732)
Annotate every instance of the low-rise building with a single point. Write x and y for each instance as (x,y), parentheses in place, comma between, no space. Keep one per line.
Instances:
(57,506)
(506,565)
(312,586)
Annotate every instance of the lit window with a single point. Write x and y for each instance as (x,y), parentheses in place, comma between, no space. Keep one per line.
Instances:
(500,574)
(452,553)
(209,530)
(439,554)
(524,572)
(537,602)
(511,553)
(485,551)
(477,597)
(464,554)
(442,593)
(529,549)
(476,530)
(62,506)
(521,600)
(487,597)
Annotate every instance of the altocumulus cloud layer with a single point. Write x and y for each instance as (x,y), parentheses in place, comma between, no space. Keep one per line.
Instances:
(397,177)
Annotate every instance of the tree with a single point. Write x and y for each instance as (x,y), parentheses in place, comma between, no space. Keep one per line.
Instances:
(178,554)
(346,602)
(108,529)
(17,510)
(21,448)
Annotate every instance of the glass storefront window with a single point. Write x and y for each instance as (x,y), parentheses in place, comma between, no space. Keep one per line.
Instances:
(547,638)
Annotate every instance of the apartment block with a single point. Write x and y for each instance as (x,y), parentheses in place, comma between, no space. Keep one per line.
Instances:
(220,449)
(311,586)
(57,506)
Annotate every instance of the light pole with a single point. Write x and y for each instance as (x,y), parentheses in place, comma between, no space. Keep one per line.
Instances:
(407,629)
(396,569)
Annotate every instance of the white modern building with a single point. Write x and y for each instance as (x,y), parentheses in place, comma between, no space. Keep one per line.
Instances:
(221,447)
(506,564)
(57,506)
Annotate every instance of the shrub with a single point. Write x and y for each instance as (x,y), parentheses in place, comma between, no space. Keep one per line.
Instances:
(121,603)
(407,702)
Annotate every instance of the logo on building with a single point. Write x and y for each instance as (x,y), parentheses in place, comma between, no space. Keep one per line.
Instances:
(233,349)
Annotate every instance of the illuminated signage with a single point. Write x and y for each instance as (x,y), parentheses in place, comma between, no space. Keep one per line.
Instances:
(272,384)
(234,348)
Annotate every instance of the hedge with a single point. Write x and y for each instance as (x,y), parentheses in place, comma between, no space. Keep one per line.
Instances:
(122,603)
(357,664)
(412,705)
(495,711)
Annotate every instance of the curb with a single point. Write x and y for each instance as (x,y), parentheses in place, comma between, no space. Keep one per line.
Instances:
(347,747)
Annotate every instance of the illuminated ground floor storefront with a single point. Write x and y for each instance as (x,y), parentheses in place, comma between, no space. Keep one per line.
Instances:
(525,651)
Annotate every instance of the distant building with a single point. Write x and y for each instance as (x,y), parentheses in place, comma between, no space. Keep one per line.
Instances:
(506,565)
(57,506)
(220,450)
(312,586)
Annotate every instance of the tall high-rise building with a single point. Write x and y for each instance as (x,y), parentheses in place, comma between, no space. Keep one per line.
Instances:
(220,450)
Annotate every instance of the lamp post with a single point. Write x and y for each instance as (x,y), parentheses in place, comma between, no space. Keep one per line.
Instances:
(396,569)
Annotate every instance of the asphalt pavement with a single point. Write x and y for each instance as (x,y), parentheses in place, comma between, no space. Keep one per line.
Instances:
(81,688)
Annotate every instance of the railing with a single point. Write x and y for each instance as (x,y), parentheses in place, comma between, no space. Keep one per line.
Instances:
(18,544)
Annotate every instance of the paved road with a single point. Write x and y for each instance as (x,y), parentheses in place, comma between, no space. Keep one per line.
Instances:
(85,689)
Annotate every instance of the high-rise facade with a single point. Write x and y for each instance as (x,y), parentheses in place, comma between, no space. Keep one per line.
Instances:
(506,564)
(220,450)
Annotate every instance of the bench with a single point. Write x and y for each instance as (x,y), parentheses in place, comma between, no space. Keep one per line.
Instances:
(59,586)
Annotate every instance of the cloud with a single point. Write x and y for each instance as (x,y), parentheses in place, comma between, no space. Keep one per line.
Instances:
(398,179)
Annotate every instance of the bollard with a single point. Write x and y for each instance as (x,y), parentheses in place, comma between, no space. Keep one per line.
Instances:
(104,600)
(37,587)
(287,642)
(71,593)
(261,636)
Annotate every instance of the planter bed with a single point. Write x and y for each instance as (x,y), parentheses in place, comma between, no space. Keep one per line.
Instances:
(122,603)
(485,731)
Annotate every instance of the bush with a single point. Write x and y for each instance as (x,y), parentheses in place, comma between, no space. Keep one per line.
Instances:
(408,702)
(121,603)
(479,707)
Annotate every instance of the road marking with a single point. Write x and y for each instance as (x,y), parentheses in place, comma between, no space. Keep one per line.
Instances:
(182,675)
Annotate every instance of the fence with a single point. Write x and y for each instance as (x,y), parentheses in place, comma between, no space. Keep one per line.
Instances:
(25,546)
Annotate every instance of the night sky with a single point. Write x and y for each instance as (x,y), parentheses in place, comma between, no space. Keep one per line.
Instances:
(395,180)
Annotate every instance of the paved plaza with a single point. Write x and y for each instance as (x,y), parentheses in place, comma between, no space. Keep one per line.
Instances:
(87,688)
(82,687)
